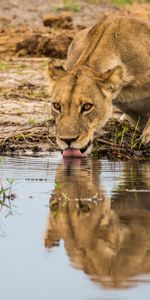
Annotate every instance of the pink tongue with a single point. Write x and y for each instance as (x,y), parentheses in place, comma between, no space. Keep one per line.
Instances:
(72,153)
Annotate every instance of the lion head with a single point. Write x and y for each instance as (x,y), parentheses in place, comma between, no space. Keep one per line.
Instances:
(81,103)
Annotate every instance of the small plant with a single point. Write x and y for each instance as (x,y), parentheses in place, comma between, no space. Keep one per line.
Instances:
(121,134)
(69,5)
(10,182)
(7,195)
(20,137)
(50,118)
(134,139)
(19,112)
(3,66)
(3,196)
(32,121)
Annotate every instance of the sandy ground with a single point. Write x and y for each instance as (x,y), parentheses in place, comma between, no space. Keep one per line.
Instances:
(25,44)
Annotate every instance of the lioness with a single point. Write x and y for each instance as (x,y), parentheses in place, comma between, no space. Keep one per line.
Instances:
(108,238)
(107,64)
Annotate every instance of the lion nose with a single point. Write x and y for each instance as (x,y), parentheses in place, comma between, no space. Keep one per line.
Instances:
(69,141)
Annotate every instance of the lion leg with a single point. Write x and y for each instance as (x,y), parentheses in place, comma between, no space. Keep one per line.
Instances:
(146,133)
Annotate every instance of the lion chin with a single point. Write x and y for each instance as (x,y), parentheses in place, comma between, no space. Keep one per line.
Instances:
(77,153)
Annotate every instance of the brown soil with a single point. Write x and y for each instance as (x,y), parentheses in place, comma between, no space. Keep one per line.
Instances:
(30,32)
(63,20)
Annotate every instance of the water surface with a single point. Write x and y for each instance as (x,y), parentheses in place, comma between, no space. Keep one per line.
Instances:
(77,229)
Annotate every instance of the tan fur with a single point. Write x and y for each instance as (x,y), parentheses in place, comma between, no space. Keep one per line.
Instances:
(109,239)
(107,64)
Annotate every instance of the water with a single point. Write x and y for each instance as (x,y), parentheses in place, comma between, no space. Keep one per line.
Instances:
(75,230)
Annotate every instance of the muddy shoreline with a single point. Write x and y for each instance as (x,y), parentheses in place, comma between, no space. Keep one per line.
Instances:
(26,124)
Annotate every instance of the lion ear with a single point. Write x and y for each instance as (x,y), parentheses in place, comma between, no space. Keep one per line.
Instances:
(111,81)
(55,69)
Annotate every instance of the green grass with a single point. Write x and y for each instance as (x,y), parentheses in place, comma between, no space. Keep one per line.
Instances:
(6,194)
(3,66)
(69,5)
(134,139)
(20,137)
(120,136)
(19,112)
(32,121)
(124,2)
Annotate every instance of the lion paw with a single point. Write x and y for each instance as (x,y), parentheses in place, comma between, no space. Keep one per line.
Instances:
(123,118)
(146,135)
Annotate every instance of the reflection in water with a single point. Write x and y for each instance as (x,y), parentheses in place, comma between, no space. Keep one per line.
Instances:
(7,196)
(109,239)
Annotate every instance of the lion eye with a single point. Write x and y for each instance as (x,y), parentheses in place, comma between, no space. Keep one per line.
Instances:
(57,106)
(86,107)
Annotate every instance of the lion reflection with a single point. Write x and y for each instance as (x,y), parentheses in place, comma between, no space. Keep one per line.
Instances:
(109,239)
